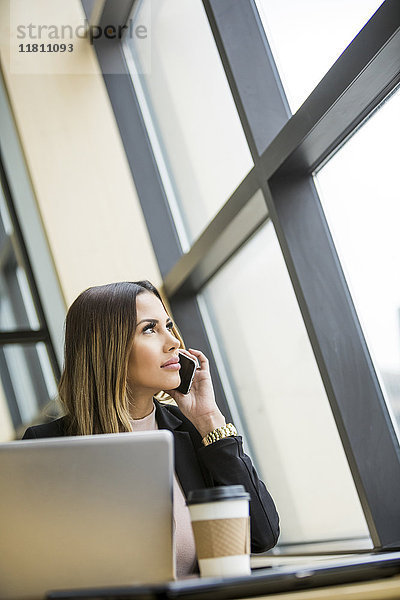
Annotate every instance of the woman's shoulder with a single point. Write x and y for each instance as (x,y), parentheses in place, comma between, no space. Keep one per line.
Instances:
(170,411)
(170,416)
(55,428)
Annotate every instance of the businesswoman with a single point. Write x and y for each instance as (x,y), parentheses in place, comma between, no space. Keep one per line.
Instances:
(121,350)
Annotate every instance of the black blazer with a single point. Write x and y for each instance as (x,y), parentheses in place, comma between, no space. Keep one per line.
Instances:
(198,466)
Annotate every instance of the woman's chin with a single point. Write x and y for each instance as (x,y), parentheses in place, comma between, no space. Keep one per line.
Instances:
(172,381)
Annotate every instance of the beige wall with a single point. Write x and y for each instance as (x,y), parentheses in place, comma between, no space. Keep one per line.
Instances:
(80,176)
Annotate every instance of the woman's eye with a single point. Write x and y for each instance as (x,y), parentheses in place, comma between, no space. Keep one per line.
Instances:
(151,327)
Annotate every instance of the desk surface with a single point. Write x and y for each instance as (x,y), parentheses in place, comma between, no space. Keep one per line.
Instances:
(381,589)
(376,576)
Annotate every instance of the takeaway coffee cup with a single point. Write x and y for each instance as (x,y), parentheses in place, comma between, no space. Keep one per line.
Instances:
(221,526)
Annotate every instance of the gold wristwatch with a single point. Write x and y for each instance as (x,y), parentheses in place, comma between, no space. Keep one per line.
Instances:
(218,434)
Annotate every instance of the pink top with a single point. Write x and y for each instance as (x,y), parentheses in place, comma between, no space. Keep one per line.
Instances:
(184,540)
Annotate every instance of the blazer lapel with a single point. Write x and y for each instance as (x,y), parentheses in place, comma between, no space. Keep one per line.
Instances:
(187,466)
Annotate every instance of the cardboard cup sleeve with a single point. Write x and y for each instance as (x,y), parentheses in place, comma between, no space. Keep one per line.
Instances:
(222,537)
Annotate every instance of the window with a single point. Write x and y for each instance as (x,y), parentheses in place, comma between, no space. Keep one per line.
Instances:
(280,395)
(307,37)
(360,196)
(190,114)
(17,309)
(311,367)
(27,376)
(28,364)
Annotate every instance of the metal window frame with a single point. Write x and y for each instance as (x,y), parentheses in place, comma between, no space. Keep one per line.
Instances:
(286,149)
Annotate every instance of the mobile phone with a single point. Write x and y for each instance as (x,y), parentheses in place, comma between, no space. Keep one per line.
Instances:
(187,371)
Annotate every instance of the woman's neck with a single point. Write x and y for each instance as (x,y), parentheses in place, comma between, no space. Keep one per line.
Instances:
(141,407)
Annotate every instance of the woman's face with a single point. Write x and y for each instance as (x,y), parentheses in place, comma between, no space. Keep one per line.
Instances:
(153,362)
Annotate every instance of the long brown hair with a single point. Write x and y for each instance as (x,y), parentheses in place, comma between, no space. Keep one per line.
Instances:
(99,330)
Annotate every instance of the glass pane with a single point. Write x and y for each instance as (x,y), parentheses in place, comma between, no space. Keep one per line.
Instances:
(283,408)
(28,382)
(307,37)
(17,310)
(360,194)
(190,115)
(7,431)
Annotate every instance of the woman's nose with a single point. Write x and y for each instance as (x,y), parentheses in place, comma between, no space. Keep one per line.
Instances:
(172,341)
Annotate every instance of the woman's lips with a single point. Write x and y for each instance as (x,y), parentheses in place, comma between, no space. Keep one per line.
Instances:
(172,365)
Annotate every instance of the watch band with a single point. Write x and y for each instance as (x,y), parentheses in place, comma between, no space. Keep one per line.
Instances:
(218,434)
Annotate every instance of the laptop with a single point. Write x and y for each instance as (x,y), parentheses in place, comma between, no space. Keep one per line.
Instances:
(79,512)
